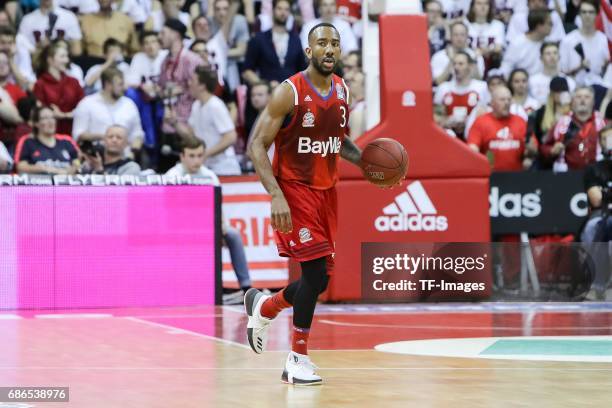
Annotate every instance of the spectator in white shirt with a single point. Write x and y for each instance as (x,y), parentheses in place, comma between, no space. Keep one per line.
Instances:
(210,121)
(519,24)
(96,113)
(462,94)
(455,10)
(442,61)
(113,51)
(142,89)
(486,34)
(20,60)
(584,52)
(48,23)
(327,11)
(539,83)
(145,67)
(518,83)
(524,50)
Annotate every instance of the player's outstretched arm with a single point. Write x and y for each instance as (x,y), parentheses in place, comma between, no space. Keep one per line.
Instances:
(349,151)
(267,126)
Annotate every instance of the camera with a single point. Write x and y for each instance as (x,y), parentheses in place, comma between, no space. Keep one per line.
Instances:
(91,148)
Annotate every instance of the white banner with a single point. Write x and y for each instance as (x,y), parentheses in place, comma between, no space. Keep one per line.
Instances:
(246,207)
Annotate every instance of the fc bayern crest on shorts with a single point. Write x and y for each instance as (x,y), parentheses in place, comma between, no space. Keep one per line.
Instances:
(305,235)
(340,92)
(308,120)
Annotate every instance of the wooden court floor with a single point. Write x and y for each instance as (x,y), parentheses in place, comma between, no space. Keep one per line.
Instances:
(196,357)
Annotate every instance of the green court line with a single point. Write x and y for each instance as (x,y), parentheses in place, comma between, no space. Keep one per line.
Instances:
(550,347)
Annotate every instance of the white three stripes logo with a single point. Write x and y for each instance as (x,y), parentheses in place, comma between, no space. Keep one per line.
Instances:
(413,201)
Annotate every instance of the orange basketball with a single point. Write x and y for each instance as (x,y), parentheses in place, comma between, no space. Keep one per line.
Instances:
(384,162)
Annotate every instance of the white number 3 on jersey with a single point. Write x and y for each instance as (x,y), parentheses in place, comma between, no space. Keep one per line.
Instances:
(343,109)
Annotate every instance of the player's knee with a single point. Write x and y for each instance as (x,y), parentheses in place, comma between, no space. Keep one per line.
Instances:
(314,273)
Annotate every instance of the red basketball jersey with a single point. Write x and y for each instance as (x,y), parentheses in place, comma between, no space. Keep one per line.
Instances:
(307,150)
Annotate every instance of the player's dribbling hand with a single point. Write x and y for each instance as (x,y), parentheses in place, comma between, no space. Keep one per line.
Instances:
(281,215)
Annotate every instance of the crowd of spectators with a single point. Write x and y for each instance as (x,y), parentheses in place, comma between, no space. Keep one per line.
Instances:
(525,82)
(153,73)
(163,71)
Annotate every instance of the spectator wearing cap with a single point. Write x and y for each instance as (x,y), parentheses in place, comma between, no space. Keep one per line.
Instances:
(584,52)
(176,72)
(276,54)
(235,30)
(524,50)
(500,134)
(442,61)
(107,23)
(557,104)
(519,23)
(539,83)
(573,142)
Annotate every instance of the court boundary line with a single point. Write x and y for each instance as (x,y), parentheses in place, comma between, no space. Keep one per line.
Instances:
(426,327)
(177,330)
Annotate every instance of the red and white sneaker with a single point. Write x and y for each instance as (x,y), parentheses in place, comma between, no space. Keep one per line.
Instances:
(257,327)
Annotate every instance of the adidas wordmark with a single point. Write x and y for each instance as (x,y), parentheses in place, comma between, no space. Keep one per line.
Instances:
(412,210)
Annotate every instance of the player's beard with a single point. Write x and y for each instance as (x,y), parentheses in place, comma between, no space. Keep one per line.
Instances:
(322,70)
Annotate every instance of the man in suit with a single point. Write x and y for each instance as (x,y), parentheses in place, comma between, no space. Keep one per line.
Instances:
(276,54)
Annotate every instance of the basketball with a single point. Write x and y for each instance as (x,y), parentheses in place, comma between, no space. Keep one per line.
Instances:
(384,162)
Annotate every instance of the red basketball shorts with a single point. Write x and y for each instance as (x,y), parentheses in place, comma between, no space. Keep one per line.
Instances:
(314,219)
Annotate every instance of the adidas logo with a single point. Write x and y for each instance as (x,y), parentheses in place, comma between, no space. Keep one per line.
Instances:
(411,210)
(307,98)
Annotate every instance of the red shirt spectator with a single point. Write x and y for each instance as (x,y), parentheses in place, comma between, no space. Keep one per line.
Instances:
(500,133)
(15,92)
(572,143)
(56,89)
(349,9)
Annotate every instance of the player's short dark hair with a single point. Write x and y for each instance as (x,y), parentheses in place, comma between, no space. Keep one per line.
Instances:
(547,44)
(313,29)
(191,143)
(109,74)
(147,33)
(207,77)
(536,18)
(111,42)
(593,3)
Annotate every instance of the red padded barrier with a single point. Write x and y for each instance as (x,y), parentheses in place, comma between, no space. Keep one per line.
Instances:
(446,195)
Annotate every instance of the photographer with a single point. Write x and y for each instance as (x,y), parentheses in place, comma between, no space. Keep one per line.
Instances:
(598,228)
(108,156)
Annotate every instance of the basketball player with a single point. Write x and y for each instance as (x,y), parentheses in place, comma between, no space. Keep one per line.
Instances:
(306,119)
